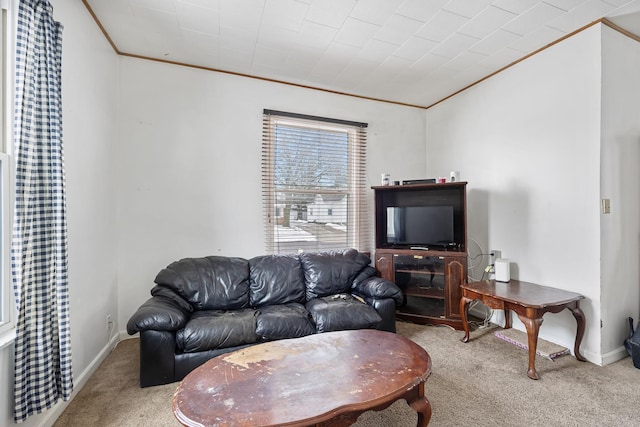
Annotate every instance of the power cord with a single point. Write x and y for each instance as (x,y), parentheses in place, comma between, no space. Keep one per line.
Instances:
(485,271)
(489,312)
(487,316)
(471,267)
(479,255)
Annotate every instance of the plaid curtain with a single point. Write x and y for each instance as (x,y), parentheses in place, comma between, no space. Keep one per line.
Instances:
(39,249)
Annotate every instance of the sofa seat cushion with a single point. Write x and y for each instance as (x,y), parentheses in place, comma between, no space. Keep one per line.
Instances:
(276,322)
(213,329)
(342,312)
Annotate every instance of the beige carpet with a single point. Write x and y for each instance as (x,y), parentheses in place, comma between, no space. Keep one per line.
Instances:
(481,383)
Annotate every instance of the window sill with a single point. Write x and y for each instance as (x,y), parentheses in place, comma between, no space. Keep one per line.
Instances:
(7,338)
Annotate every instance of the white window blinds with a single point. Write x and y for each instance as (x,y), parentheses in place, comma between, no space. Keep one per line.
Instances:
(313,183)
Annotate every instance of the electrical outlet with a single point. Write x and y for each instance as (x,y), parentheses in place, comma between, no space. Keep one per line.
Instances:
(109,323)
(494,254)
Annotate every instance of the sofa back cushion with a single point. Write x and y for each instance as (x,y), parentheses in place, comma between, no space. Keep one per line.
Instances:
(275,279)
(330,273)
(209,283)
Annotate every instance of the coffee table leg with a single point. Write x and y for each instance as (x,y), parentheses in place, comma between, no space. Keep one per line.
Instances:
(464,308)
(579,315)
(422,406)
(533,327)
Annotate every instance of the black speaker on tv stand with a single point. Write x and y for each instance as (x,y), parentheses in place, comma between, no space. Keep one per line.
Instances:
(419,181)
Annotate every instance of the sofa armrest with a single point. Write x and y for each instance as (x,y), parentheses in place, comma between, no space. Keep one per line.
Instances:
(158,313)
(157,358)
(378,288)
(386,308)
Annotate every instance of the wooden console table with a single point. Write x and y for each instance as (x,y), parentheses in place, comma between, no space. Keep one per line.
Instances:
(326,379)
(530,302)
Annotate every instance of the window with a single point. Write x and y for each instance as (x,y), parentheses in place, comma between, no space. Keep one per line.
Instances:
(6,300)
(314,183)
(7,307)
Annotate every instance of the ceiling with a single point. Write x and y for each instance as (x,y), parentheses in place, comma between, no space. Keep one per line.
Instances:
(414,52)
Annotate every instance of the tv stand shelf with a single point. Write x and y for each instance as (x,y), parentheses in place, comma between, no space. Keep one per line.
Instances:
(430,279)
(425,292)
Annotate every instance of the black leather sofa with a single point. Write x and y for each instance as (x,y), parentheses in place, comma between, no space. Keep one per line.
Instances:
(203,307)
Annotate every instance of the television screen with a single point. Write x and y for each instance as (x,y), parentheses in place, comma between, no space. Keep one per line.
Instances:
(420,225)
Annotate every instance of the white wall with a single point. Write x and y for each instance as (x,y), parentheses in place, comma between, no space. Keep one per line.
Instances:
(528,142)
(89,68)
(184,147)
(620,167)
(189,156)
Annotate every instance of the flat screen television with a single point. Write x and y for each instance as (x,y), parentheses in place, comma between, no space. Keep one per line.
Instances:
(420,226)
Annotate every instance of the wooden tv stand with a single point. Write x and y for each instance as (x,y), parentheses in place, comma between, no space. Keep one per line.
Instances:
(430,282)
(430,278)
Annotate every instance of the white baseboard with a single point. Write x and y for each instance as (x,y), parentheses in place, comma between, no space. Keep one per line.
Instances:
(123,335)
(615,355)
(54,413)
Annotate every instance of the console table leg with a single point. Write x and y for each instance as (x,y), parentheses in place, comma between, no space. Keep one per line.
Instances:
(464,308)
(579,315)
(507,318)
(533,327)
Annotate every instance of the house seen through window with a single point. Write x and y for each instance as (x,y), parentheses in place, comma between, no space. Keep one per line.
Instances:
(314,183)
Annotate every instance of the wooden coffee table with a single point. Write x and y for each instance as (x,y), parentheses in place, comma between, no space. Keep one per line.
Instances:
(320,380)
(530,302)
